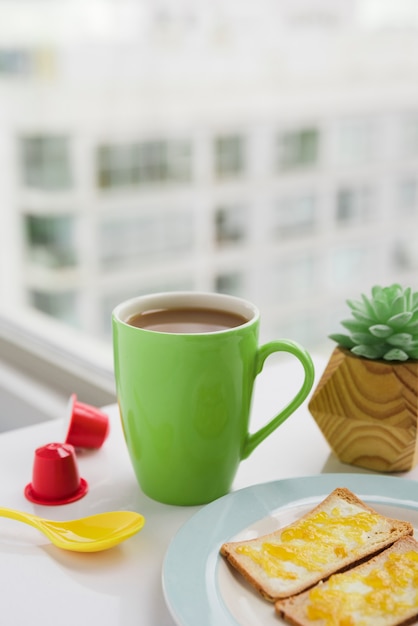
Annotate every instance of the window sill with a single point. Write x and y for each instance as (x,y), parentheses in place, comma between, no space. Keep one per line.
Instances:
(43,362)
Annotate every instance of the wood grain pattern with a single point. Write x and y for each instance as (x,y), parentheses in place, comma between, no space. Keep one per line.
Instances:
(368,411)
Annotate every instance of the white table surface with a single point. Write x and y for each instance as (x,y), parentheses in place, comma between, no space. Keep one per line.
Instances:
(47,586)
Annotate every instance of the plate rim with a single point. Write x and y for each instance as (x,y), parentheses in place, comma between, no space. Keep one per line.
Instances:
(188,591)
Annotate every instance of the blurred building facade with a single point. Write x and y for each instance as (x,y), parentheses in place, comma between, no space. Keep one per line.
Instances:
(264,149)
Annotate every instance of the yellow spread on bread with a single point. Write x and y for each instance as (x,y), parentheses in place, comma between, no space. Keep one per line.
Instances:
(315,541)
(350,598)
(340,532)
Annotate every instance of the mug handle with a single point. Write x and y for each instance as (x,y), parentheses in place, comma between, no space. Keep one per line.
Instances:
(283,345)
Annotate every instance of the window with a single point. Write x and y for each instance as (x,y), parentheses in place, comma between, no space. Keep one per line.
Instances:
(405,254)
(230,225)
(51,240)
(59,304)
(293,277)
(298,148)
(36,62)
(46,162)
(193,147)
(124,241)
(15,61)
(143,163)
(230,282)
(407,200)
(354,206)
(116,166)
(303,328)
(295,216)
(229,156)
(357,141)
(347,265)
(409,136)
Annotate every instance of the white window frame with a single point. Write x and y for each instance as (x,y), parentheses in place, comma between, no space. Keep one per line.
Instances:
(43,362)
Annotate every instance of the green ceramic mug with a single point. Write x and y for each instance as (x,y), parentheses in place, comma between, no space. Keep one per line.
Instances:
(185,366)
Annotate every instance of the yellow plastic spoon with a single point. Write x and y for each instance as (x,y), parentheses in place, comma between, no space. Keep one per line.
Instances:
(87,534)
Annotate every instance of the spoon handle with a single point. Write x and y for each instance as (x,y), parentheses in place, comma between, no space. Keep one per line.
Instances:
(20,516)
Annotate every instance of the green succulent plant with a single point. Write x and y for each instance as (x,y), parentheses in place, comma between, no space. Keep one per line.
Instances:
(383,326)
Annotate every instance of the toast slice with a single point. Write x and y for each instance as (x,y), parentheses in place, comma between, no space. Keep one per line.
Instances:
(381,592)
(338,532)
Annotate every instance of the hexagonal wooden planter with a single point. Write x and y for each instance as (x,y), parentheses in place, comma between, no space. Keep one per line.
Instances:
(368,411)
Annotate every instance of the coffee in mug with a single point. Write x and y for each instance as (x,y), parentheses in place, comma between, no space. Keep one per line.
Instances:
(190,320)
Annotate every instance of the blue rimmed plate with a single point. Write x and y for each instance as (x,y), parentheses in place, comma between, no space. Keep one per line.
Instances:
(201,589)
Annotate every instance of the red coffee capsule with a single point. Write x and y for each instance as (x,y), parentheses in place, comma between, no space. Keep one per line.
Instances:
(55,476)
(88,425)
